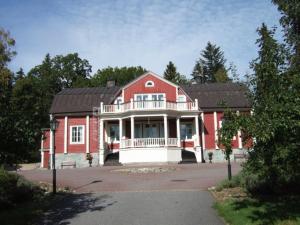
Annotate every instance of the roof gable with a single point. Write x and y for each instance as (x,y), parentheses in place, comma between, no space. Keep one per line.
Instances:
(146,74)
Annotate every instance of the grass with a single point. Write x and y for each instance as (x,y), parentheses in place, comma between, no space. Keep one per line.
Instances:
(261,211)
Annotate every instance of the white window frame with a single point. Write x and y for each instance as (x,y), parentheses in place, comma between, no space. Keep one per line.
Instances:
(149,95)
(193,131)
(83,134)
(149,83)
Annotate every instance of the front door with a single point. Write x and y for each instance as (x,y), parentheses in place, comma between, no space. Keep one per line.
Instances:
(151,130)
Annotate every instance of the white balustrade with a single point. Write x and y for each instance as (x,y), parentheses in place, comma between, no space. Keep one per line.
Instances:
(147,142)
(149,105)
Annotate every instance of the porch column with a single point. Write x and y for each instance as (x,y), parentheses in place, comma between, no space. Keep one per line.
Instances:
(197,131)
(120,131)
(239,135)
(216,130)
(51,146)
(202,131)
(132,130)
(178,131)
(66,136)
(87,134)
(166,129)
(101,143)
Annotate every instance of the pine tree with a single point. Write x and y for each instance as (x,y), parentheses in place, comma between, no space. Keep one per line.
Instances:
(20,74)
(197,74)
(212,59)
(171,73)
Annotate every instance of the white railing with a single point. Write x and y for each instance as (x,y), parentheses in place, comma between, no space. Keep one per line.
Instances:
(172,141)
(147,142)
(149,105)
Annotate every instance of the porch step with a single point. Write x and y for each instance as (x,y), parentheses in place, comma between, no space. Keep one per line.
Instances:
(112,160)
(188,157)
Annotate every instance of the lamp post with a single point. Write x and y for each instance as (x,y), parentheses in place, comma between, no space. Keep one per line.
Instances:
(53,126)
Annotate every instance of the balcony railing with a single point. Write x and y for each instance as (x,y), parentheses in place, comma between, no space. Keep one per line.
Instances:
(147,142)
(148,105)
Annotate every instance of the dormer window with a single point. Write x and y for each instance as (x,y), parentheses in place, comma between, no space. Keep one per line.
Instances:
(149,83)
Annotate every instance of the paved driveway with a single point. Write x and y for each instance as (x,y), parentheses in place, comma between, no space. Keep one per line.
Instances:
(106,196)
(108,179)
(135,208)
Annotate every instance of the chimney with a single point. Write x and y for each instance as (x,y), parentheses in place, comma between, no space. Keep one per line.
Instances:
(110,83)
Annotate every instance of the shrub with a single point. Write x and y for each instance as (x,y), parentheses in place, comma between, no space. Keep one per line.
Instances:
(15,189)
(236,181)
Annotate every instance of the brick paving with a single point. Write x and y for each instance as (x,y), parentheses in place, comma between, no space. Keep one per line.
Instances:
(107,179)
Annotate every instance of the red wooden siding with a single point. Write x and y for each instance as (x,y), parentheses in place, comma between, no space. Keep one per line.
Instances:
(209,130)
(46,159)
(160,86)
(94,143)
(46,139)
(59,135)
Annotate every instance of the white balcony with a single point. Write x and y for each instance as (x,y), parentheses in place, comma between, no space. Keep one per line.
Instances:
(148,105)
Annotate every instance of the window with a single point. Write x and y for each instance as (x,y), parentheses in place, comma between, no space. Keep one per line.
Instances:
(149,83)
(77,134)
(186,131)
(181,98)
(114,132)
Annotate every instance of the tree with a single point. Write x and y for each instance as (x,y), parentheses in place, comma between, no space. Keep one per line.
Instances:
(7,153)
(121,76)
(212,59)
(198,74)
(20,74)
(290,21)
(221,75)
(171,73)
(274,161)
(230,126)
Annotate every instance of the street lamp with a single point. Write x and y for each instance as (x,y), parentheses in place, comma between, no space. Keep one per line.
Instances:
(53,126)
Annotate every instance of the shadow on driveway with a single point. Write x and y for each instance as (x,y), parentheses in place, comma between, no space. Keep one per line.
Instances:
(71,205)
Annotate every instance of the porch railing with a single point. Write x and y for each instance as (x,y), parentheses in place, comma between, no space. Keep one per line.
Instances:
(149,105)
(147,142)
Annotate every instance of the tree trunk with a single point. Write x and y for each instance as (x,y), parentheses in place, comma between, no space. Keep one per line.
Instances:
(229,168)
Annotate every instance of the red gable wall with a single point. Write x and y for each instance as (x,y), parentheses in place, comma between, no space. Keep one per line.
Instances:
(160,86)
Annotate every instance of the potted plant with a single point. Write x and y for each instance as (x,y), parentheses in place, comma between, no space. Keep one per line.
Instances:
(89,157)
(210,155)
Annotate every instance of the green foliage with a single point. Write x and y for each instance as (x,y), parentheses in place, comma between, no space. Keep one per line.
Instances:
(121,76)
(274,163)
(236,181)
(230,126)
(198,74)
(213,62)
(14,190)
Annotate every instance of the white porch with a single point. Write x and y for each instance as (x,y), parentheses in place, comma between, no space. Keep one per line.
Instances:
(148,138)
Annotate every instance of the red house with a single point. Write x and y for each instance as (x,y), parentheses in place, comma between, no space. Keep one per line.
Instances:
(148,120)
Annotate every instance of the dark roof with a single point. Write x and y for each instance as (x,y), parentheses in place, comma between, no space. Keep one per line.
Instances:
(210,96)
(78,100)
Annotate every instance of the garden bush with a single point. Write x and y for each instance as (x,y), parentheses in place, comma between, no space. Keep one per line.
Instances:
(15,189)
(236,181)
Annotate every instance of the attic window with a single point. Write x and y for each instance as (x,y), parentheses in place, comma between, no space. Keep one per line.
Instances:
(149,83)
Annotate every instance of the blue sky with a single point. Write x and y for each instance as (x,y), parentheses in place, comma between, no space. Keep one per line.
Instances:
(135,32)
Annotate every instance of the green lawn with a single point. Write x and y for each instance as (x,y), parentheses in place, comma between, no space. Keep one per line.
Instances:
(267,211)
